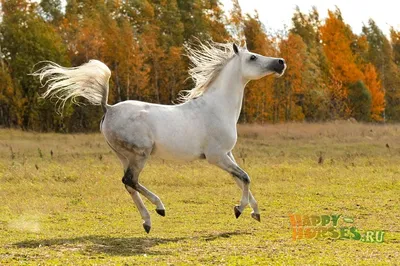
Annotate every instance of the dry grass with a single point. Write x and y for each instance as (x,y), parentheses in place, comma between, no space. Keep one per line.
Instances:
(63,202)
(339,130)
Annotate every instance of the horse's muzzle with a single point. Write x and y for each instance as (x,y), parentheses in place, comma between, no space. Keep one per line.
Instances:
(278,66)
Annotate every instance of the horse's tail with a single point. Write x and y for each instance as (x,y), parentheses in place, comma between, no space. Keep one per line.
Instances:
(89,81)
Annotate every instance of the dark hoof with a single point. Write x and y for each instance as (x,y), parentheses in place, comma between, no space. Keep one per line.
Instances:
(256,216)
(237,211)
(146,228)
(161,212)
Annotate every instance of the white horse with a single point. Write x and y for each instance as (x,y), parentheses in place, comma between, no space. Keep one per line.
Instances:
(203,126)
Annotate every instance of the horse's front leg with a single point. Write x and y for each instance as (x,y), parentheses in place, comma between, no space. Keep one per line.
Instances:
(226,163)
(253,203)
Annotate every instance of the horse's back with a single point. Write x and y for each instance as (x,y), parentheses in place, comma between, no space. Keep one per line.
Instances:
(168,130)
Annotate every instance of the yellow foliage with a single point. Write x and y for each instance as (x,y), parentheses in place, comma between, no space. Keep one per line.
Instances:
(373,83)
(337,40)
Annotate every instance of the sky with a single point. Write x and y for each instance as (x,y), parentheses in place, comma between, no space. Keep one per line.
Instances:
(275,14)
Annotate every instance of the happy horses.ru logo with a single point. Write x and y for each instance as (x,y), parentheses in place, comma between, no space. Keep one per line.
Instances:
(327,226)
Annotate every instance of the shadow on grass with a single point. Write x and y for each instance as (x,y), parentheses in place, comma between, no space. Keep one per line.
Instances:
(117,246)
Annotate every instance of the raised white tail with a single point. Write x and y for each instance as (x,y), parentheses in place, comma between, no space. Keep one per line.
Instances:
(89,81)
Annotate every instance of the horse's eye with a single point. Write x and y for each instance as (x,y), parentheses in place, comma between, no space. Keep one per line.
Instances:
(253,57)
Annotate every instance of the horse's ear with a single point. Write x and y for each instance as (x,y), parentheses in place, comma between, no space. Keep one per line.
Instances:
(235,48)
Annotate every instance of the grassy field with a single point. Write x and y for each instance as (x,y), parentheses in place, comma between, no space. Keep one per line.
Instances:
(62,201)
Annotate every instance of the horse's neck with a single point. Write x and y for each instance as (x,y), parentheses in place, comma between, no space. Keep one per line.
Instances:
(226,91)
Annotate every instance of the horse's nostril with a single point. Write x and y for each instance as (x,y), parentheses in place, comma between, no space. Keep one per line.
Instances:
(281,62)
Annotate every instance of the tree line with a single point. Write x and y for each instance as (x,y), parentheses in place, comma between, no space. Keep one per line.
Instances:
(332,72)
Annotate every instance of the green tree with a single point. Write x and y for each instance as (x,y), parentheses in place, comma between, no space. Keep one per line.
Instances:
(315,98)
(395,40)
(361,101)
(28,39)
(168,19)
(236,27)
(193,19)
(380,54)
(215,21)
(51,10)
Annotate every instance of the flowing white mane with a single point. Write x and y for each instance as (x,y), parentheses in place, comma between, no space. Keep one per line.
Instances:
(208,59)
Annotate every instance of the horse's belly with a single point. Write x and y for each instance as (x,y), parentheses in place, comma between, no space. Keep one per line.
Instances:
(176,152)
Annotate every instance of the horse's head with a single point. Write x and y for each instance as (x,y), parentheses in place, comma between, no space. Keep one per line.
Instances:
(255,66)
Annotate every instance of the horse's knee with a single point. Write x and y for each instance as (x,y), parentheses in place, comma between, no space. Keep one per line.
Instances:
(245,178)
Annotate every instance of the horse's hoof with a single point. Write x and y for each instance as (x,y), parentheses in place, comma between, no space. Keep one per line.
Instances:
(146,228)
(161,212)
(256,216)
(237,211)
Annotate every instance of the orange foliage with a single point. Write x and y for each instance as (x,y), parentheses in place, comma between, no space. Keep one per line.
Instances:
(142,43)
(378,95)
(291,87)
(294,51)
(258,100)
(337,40)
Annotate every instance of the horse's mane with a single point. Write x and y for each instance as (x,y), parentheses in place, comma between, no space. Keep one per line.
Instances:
(208,59)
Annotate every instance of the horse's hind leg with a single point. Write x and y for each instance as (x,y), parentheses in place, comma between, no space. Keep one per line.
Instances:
(153,198)
(144,213)
(136,164)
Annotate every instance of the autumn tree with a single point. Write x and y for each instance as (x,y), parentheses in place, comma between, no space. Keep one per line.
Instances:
(11,100)
(258,102)
(337,39)
(290,89)
(316,77)
(146,53)
(377,94)
(332,72)
(27,39)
